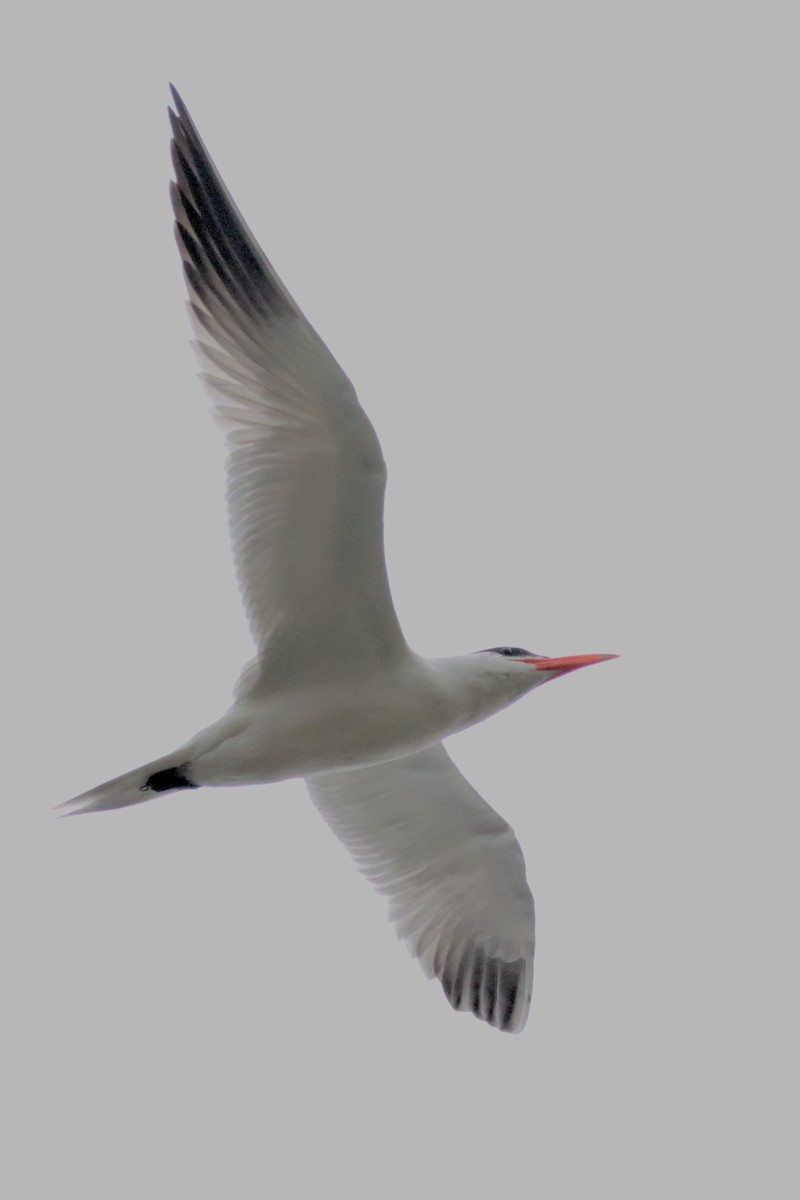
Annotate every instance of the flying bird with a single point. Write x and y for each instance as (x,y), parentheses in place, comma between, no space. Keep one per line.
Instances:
(335,694)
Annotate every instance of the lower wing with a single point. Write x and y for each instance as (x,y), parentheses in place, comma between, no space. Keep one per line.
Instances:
(453,871)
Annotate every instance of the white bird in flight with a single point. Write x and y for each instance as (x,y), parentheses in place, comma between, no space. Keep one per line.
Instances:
(335,694)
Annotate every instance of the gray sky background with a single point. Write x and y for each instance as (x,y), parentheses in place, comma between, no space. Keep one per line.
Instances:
(555,247)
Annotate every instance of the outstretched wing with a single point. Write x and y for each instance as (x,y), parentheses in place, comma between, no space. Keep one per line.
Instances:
(453,872)
(306,477)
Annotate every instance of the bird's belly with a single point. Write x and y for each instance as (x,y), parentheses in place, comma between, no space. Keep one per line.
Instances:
(322,729)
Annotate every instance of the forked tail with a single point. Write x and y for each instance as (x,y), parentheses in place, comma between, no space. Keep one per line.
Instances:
(134,787)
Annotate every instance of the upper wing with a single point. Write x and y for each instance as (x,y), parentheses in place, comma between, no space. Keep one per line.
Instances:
(306,476)
(453,872)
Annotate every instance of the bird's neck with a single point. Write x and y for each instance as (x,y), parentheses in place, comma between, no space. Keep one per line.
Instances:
(477,687)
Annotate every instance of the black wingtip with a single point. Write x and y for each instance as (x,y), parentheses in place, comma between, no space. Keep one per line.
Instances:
(179,164)
(179,119)
(227,254)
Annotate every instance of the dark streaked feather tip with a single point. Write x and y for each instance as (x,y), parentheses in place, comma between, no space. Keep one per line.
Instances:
(491,987)
(223,245)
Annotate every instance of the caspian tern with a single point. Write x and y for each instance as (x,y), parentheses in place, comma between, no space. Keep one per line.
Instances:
(335,694)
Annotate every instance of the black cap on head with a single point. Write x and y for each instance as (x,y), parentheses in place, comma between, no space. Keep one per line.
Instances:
(509,652)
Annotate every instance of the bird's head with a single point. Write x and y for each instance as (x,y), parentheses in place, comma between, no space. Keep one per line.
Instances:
(488,680)
(522,670)
(545,668)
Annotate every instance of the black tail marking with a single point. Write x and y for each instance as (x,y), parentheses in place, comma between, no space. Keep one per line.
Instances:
(169,780)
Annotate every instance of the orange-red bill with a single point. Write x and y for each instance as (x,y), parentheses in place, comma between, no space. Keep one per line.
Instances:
(570,662)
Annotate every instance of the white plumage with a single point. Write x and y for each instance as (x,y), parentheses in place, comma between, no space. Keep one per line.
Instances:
(334,693)
(453,872)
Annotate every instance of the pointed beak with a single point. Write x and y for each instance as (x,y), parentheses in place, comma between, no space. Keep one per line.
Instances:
(570,662)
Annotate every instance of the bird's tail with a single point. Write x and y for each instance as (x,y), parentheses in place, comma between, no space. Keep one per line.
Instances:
(134,787)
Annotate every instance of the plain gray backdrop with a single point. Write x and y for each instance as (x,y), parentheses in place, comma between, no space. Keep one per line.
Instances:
(555,247)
